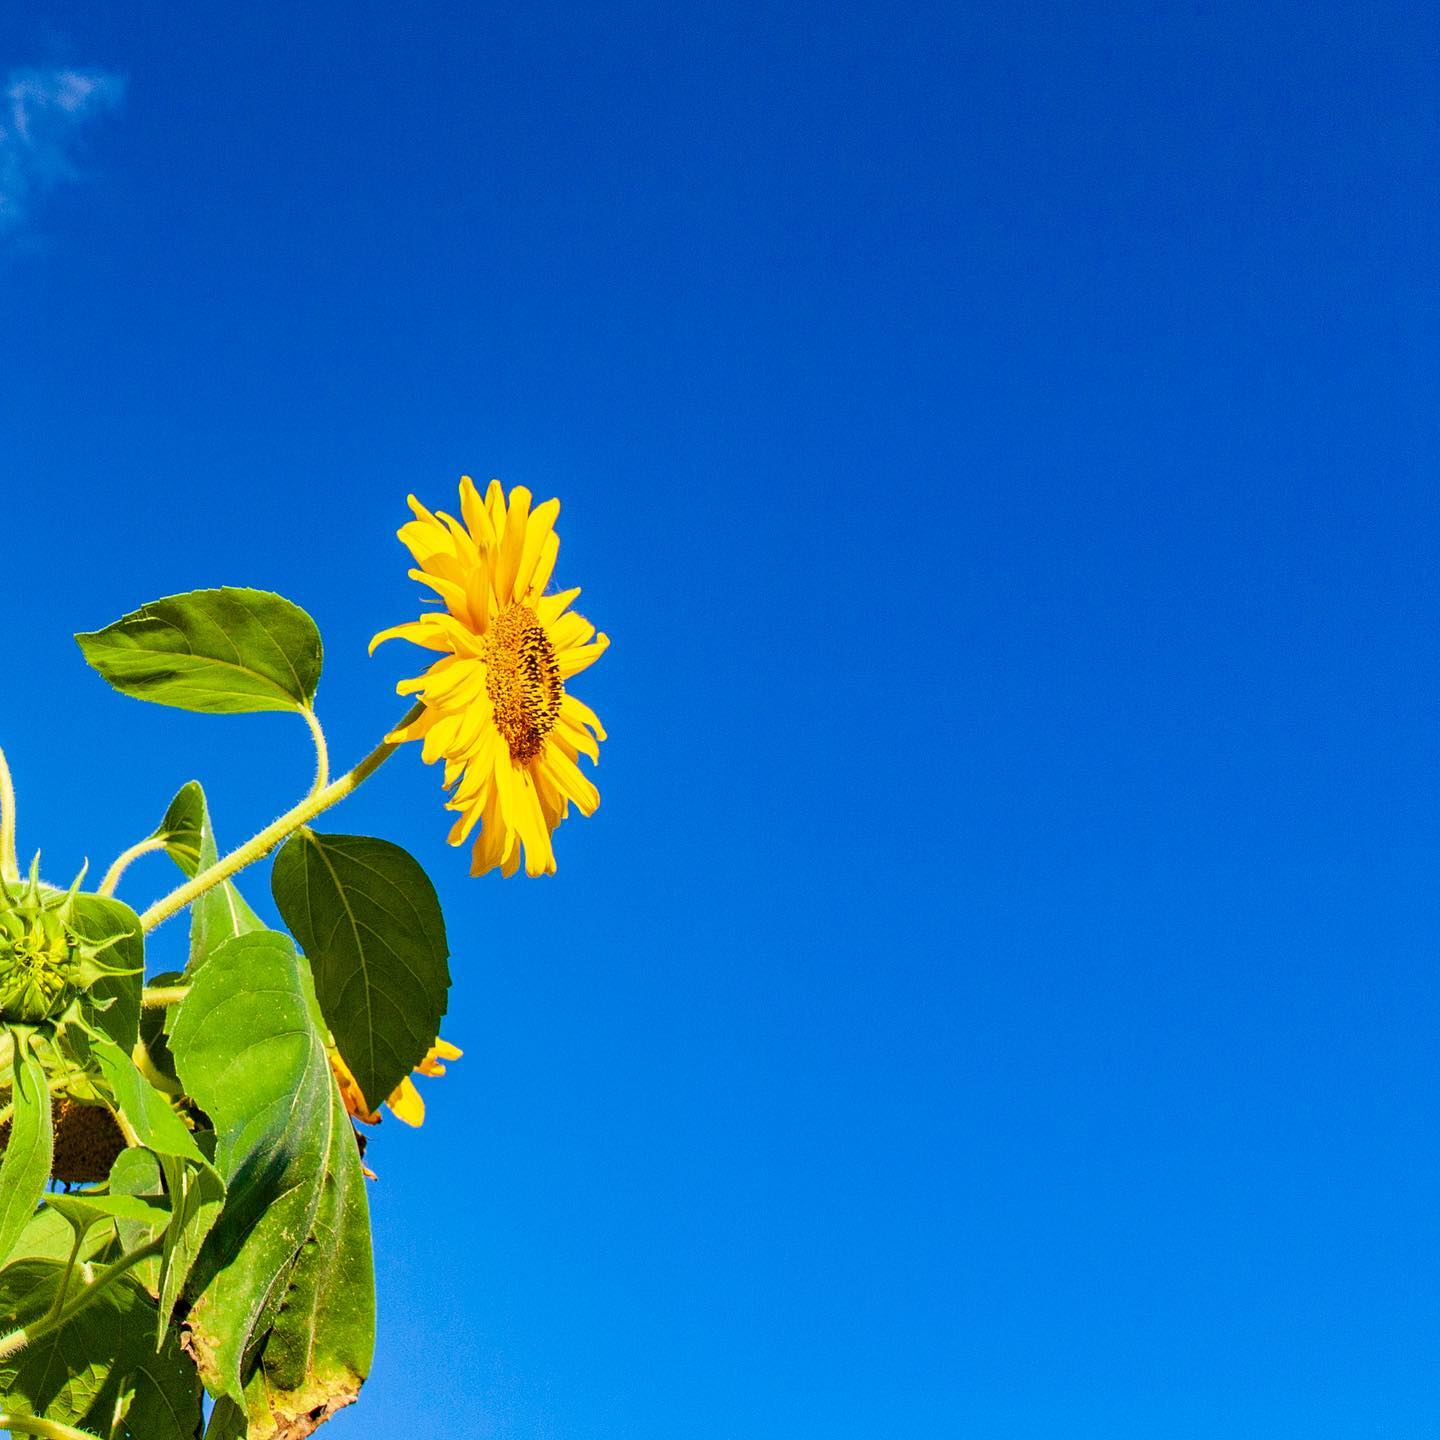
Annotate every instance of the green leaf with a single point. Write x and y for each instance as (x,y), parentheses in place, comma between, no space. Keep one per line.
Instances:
(79,1373)
(319,1350)
(197,1193)
(25,1167)
(219,914)
(155,1124)
(49,1237)
(97,918)
(82,1210)
(227,1421)
(249,1054)
(225,652)
(137,1172)
(366,915)
(183,825)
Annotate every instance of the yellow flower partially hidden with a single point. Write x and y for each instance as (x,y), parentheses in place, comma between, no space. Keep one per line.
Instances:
(496,709)
(405,1101)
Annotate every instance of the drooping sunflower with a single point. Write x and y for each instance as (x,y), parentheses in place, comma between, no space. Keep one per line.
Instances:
(405,1101)
(496,709)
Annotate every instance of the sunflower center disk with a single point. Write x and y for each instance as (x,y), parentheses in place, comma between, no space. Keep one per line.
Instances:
(523,681)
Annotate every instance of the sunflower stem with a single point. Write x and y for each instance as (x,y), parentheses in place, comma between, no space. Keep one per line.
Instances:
(59,1304)
(155,996)
(261,844)
(122,862)
(9,865)
(322,751)
(36,1425)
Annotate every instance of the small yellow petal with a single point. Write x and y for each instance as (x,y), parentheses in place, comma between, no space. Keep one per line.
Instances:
(406,1105)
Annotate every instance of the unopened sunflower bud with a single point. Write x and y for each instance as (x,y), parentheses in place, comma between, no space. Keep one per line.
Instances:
(39,957)
(44,961)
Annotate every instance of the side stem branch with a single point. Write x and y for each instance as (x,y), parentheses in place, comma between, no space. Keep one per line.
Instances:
(36,1425)
(260,845)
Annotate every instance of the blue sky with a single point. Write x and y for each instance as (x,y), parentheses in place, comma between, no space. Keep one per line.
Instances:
(996,996)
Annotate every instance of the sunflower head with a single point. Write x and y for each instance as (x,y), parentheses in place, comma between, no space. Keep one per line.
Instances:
(495,706)
(44,961)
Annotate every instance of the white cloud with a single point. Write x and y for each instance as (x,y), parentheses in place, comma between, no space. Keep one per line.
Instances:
(41,113)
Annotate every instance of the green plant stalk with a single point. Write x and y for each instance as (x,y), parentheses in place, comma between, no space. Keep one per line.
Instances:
(35,1425)
(156,995)
(59,1304)
(9,865)
(122,862)
(260,845)
(322,751)
(19,1339)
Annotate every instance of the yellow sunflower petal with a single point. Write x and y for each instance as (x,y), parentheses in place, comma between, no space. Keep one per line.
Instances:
(495,507)
(572,662)
(539,529)
(406,1105)
(512,544)
(475,515)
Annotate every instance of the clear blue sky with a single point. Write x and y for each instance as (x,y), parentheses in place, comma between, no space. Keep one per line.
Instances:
(997,995)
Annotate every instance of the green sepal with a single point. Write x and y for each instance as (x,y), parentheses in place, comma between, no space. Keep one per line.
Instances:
(113,998)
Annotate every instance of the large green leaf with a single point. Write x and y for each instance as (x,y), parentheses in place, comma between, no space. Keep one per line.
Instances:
(98,918)
(222,651)
(248,1052)
(25,1167)
(221,913)
(366,915)
(154,1123)
(318,1352)
(80,1373)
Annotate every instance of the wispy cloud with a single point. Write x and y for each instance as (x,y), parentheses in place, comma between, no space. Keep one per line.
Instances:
(42,113)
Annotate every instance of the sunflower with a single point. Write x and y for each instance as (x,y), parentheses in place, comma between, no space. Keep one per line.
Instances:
(495,706)
(405,1101)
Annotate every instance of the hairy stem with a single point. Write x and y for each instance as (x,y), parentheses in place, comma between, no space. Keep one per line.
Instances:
(19,1339)
(260,845)
(154,996)
(9,865)
(322,751)
(64,1285)
(122,862)
(34,1425)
